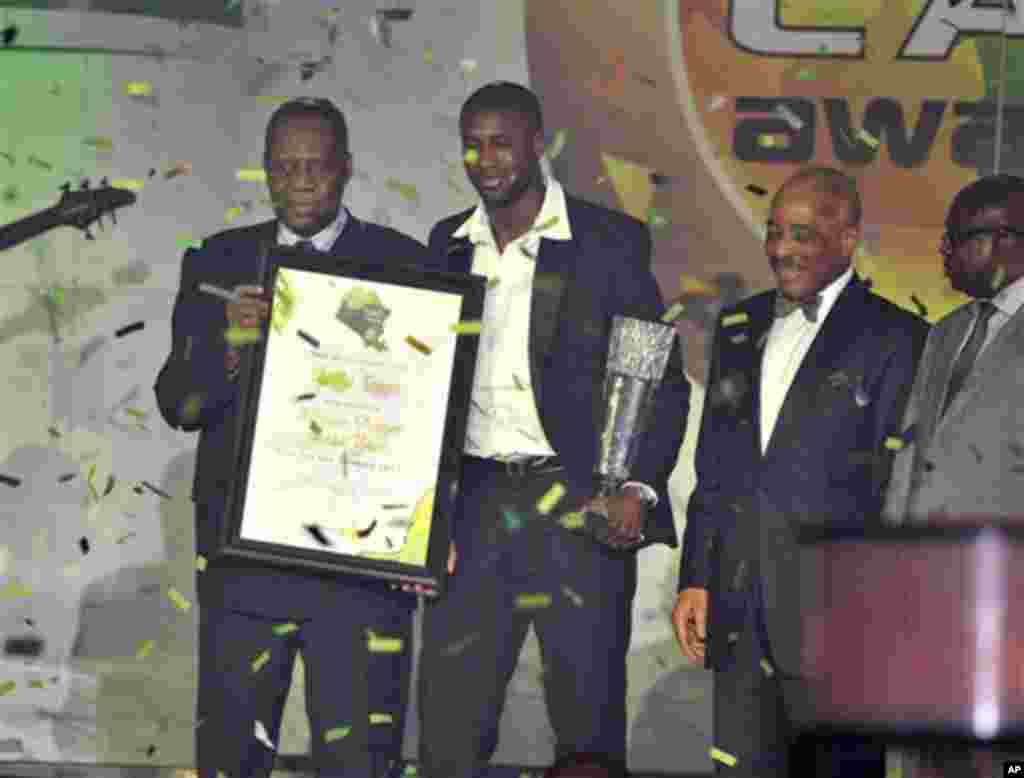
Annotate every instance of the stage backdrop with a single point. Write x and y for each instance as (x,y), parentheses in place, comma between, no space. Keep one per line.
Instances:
(667,110)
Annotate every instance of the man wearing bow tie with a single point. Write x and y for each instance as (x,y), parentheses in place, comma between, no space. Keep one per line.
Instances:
(560,270)
(308,166)
(806,382)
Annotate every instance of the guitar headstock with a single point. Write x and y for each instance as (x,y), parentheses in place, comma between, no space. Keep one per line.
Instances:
(80,209)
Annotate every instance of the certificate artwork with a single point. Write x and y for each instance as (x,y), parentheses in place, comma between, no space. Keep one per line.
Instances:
(351,418)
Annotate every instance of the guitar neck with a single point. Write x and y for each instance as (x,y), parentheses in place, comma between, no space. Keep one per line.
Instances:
(28,228)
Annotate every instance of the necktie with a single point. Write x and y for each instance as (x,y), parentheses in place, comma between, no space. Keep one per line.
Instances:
(784,307)
(969,353)
(306,246)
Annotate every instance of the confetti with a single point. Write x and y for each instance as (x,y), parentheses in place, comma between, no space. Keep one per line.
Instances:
(252,175)
(655,219)
(188,242)
(573,596)
(551,498)
(791,118)
(719,755)
(10,33)
(735,318)
(138,88)
(284,629)
(428,56)
(200,563)
(805,75)
(759,191)
(406,191)
(767,667)
(156,491)
(14,591)
(179,600)
(467,66)
(145,649)
(519,384)
(131,184)
(128,329)
(218,291)
(471,157)
(868,138)
(9,480)
(33,160)
(512,521)
(381,718)
(124,538)
(8,157)
(242,336)
(572,521)
(306,396)
(259,661)
(30,647)
(178,169)
(419,345)
(318,534)
(467,327)
(861,397)
(921,309)
(315,428)
(260,733)
(7,687)
(103,144)
(336,733)
(528,601)
(83,543)
(379,644)
(308,338)
(458,647)
(557,144)
(766,141)
(191,407)
(91,480)
(231,214)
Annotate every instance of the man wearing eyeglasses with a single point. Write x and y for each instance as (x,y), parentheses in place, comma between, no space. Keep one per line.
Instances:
(964,424)
(253,619)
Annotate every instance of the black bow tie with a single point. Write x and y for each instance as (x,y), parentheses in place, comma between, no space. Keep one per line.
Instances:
(784,307)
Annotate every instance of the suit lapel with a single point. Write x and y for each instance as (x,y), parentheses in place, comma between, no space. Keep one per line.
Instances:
(761,318)
(818,367)
(550,291)
(1004,349)
(459,255)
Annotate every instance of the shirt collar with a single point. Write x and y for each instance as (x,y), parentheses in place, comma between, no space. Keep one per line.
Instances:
(322,241)
(553,218)
(831,293)
(1010,298)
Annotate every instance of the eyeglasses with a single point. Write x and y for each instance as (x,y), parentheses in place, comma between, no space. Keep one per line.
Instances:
(314,168)
(980,239)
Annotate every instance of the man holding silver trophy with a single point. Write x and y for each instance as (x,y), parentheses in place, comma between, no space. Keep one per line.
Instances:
(573,363)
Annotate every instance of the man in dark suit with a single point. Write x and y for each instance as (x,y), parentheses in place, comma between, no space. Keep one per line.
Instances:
(560,269)
(806,383)
(308,166)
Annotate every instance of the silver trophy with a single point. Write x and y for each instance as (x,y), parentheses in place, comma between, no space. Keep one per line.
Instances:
(637,356)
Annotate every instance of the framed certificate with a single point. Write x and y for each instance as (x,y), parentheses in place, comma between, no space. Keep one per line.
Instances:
(353,415)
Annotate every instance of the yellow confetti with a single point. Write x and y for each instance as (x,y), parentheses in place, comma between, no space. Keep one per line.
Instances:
(674,312)
(191,407)
(572,520)
(284,629)
(419,345)
(381,718)
(37,684)
(337,733)
(252,175)
(272,99)
(132,184)
(240,336)
(894,771)
(428,56)
(719,755)
(551,498)
(178,169)
(471,157)
(735,318)
(767,667)
(868,138)
(179,600)
(14,591)
(766,141)
(138,414)
(231,214)
(138,88)
(384,645)
(7,687)
(145,649)
(467,327)
(694,286)
(529,601)
(998,278)
(258,662)
(406,191)
(557,144)
(91,480)
(893,444)
(200,563)
(103,144)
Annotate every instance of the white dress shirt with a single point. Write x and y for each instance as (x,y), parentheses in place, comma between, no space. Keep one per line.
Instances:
(322,241)
(1007,302)
(789,340)
(504,423)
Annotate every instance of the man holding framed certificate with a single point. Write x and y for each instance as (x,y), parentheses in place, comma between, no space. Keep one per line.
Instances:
(354,633)
(562,274)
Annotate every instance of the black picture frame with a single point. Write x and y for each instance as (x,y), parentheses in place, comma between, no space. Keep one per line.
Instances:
(470,291)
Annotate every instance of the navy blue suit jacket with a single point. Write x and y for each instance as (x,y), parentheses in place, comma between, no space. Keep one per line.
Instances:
(578,286)
(825,462)
(196,365)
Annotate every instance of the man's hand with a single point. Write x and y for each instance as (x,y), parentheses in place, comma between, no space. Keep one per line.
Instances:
(250,309)
(626,513)
(690,618)
(429,590)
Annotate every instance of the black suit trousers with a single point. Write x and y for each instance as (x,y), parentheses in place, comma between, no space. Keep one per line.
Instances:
(515,568)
